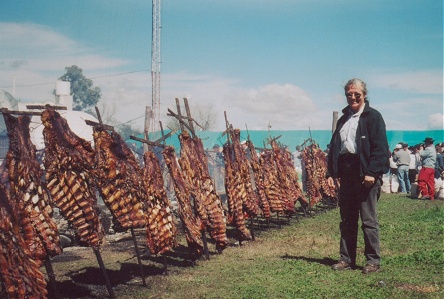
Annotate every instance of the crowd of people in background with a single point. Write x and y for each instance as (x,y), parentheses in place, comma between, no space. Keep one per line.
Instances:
(422,164)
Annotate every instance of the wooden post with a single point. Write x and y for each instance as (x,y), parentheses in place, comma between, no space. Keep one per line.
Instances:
(335,121)
(51,277)
(218,248)
(148,117)
(190,121)
(205,245)
(163,133)
(139,261)
(181,125)
(252,229)
(99,117)
(105,275)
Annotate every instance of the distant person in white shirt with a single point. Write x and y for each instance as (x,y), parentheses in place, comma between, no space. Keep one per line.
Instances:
(297,161)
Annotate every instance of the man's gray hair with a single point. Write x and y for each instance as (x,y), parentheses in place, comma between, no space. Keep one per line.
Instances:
(356,81)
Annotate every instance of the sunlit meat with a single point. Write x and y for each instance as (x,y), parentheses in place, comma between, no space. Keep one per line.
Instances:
(28,190)
(69,162)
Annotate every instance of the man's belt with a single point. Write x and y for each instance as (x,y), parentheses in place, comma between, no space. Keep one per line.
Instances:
(348,156)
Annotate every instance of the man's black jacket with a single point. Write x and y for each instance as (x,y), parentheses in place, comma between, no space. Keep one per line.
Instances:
(371,144)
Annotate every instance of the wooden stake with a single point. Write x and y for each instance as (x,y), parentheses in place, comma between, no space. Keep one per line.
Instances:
(181,124)
(51,277)
(47,106)
(6,111)
(190,120)
(218,248)
(148,116)
(181,121)
(96,124)
(146,141)
(252,229)
(139,261)
(105,275)
(161,131)
(165,265)
(335,121)
(99,117)
(205,244)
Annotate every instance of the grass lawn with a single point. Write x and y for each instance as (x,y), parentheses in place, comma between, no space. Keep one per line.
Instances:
(294,261)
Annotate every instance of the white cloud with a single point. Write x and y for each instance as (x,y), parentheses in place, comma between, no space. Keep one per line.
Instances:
(33,56)
(410,113)
(436,122)
(29,39)
(406,99)
(283,106)
(428,81)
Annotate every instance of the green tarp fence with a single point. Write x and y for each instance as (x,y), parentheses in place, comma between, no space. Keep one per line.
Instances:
(293,138)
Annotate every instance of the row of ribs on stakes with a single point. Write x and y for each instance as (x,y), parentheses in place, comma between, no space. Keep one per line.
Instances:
(72,171)
(192,182)
(135,195)
(275,178)
(315,168)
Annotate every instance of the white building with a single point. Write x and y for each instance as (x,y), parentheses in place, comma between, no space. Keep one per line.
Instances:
(75,119)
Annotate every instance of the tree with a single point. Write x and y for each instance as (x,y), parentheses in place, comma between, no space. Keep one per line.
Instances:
(206,116)
(83,93)
(107,112)
(203,114)
(125,131)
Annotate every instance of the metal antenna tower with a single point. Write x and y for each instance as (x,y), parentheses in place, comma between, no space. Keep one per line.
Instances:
(155,66)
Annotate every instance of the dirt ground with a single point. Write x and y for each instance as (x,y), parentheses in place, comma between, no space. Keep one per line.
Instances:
(77,271)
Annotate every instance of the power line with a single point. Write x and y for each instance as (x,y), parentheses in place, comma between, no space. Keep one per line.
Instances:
(27,85)
(52,83)
(131,120)
(120,74)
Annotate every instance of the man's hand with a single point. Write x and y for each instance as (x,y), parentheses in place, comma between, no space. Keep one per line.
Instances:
(368,181)
(331,182)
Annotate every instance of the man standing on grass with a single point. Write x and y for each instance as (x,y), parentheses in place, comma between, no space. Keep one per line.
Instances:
(358,156)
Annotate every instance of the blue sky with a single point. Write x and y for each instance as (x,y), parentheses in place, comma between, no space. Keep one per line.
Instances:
(277,63)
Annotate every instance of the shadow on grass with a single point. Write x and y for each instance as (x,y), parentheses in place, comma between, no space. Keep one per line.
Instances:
(69,289)
(127,271)
(181,256)
(324,261)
